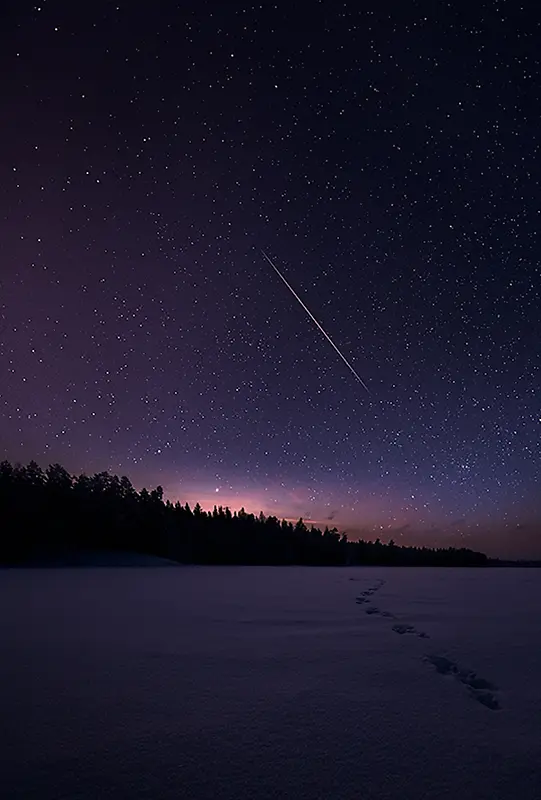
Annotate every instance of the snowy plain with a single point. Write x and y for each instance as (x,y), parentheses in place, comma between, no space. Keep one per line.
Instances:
(236,682)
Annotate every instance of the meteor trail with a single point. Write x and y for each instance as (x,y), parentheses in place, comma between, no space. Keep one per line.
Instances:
(314,320)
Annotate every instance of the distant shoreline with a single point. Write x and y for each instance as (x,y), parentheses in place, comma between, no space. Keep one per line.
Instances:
(90,558)
(114,558)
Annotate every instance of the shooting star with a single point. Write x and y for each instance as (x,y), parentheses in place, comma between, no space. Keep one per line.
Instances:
(314,320)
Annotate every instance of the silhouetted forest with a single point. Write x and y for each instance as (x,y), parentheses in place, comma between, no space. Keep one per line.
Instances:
(47,512)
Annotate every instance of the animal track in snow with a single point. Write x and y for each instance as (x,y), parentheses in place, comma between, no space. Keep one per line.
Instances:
(364,596)
(403,628)
(375,610)
(411,629)
(480,689)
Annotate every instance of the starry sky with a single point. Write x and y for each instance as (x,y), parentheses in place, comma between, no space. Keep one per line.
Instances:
(385,155)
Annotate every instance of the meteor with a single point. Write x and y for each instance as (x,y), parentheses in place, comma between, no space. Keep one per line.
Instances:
(314,320)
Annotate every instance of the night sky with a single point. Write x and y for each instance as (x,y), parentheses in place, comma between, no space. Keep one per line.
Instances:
(386,157)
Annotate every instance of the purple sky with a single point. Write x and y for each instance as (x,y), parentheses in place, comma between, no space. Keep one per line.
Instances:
(384,159)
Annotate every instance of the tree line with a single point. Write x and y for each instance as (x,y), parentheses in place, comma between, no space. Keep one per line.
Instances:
(45,512)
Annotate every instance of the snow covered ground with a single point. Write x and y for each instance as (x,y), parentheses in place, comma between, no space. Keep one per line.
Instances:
(202,682)
(97,558)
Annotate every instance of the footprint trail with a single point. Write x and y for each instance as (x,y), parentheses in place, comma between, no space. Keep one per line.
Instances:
(480,689)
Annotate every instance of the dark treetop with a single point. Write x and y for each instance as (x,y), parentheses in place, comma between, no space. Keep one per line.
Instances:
(42,513)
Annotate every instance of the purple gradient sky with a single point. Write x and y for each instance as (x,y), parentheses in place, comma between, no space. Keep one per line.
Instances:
(385,160)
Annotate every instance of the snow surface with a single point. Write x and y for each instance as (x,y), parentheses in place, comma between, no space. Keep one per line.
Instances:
(97,558)
(232,682)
